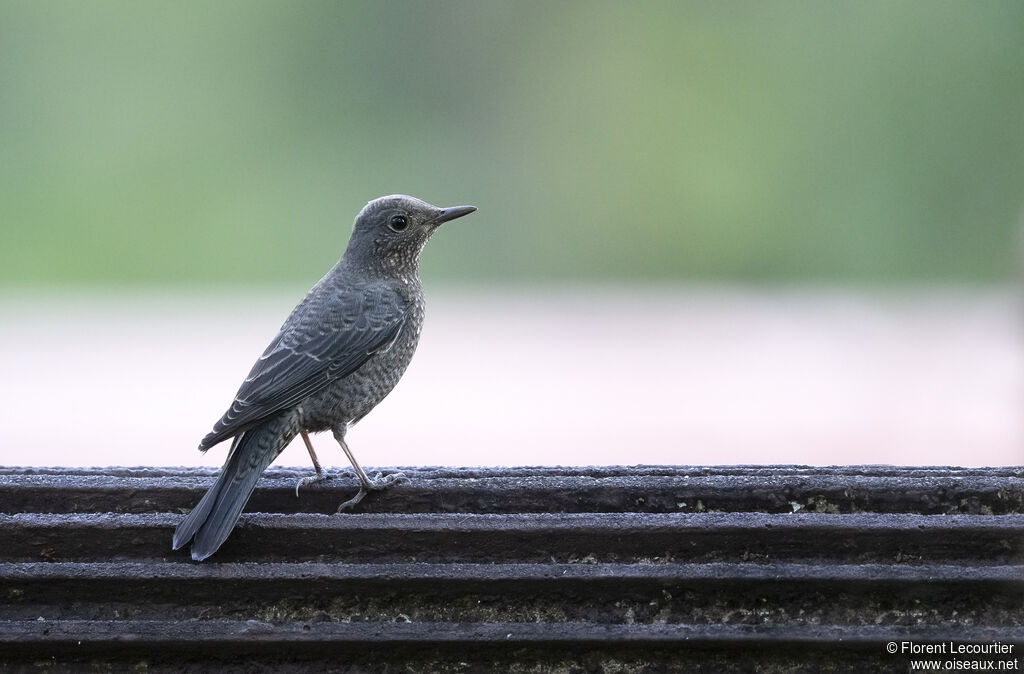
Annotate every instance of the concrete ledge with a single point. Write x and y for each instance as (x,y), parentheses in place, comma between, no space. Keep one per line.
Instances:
(779,568)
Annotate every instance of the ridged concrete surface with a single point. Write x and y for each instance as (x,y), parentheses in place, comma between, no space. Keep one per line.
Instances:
(641,569)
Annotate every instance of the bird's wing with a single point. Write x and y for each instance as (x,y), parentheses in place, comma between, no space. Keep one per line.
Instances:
(321,342)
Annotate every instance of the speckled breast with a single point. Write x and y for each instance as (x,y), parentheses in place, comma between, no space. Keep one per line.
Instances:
(347,400)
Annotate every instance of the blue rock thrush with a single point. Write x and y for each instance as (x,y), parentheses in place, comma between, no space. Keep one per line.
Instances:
(341,351)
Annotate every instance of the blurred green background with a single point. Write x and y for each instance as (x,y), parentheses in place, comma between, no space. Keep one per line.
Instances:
(190,143)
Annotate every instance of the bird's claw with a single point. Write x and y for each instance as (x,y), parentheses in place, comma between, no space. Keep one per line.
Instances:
(382,481)
(310,479)
(378,482)
(354,501)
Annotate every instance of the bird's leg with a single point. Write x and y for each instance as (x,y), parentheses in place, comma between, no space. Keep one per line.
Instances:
(366,485)
(316,477)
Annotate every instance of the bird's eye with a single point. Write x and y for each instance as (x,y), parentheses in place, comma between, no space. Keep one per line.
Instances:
(398,222)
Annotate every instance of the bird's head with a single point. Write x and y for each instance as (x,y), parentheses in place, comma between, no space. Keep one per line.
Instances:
(391,231)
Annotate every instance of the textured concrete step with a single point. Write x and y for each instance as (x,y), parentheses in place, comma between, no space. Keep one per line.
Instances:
(642,569)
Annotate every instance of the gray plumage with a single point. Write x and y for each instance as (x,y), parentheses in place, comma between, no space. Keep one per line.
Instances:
(339,353)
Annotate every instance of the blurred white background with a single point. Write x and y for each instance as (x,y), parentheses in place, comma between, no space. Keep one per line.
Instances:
(569,375)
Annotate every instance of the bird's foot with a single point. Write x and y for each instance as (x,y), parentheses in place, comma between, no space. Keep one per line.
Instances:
(378,482)
(319,476)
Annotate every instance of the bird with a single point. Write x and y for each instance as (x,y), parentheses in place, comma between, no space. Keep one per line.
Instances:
(338,354)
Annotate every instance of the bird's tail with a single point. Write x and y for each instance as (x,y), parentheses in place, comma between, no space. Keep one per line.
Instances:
(213,519)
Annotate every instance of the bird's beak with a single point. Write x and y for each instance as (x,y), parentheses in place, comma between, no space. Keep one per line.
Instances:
(452,212)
